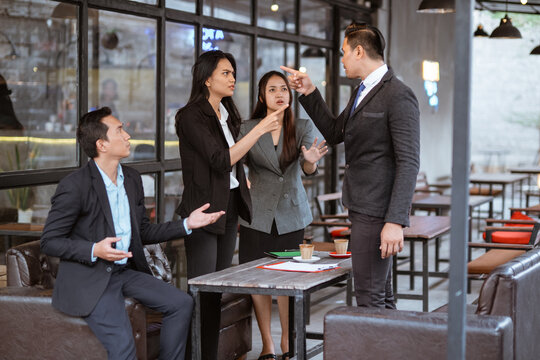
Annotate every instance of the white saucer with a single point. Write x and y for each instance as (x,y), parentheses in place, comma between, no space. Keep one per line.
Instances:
(313,259)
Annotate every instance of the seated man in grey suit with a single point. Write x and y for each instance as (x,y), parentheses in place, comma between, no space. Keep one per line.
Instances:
(97,226)
(380,128)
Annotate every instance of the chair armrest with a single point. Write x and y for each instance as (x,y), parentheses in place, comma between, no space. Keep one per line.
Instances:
(501,246)
(510,221)
(390,334)
(335,216)
(508,229)
(24,264)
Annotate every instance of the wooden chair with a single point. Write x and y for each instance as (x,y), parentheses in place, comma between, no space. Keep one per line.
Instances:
(422,185)
(332,216)
(503,243)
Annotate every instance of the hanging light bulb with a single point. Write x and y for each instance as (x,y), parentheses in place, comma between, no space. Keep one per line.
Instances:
(524,2)
(505,29)
(437,6)
(274,7)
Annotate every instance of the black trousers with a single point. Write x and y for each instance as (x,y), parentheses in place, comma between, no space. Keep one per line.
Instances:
(372,275)
(110,321)
(206,253)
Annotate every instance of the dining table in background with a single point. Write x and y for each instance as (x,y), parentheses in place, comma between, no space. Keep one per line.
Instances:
(499,179)
(422,229)
(8,230)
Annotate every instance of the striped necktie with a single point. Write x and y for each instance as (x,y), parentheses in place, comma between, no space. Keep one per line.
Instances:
(360,89)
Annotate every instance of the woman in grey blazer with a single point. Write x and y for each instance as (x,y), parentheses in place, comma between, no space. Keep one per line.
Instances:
(279,202)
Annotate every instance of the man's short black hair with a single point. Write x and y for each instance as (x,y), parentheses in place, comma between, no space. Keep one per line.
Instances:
(367,36)
(91,129)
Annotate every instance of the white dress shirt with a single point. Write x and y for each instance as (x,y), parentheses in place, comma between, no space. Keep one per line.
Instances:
(230,140)
(371,80)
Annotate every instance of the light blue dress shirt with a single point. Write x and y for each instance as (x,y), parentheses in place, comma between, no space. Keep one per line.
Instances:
(119,203)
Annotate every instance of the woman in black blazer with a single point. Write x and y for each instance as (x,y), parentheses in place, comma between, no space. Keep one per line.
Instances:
(212,170)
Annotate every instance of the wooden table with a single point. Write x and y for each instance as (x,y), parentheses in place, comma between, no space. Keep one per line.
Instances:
(503,180)
(248,279)
(423,229)
(16,229)
(442,203)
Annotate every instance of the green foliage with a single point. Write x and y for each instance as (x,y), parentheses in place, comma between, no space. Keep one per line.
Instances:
(22,198)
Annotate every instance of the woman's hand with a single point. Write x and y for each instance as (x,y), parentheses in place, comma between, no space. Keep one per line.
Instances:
(315,152)
(271,122)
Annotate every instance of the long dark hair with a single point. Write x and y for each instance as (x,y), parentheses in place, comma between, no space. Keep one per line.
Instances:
(201,71)
(289,153)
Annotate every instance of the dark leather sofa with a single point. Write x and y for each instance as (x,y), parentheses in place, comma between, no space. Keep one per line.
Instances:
(32,329)
(503,325)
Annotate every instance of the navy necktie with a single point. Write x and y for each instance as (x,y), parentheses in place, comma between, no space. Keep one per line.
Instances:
(360,89)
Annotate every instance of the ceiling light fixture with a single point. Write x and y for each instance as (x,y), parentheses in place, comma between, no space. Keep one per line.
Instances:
(437,6)
(274,7)
(535,51)
(506,30)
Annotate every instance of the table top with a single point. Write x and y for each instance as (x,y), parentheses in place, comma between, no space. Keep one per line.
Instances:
(248,276)
(525,170)
(427,227)
(497,178)
(444,201)
(20,229)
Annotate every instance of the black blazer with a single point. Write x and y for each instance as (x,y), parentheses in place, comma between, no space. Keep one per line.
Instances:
(382,147)
(206,164)
(81,216)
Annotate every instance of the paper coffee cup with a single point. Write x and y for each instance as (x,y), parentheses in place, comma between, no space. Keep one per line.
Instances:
(341,246)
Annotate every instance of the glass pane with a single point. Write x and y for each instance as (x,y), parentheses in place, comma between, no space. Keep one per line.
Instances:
(149,188)
(240,47)
(277,15)
(35,201)
(234,10)
(184,5)
(316,19)
(314,61)
(38,85)
(179,58)
(122,73)
(344,96)
(174,187)
(271,54)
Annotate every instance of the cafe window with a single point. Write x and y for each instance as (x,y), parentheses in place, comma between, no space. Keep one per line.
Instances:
(179,59)
(233,10)
(184,5)
(122,73)
(314,61)
(29,204)
(316,19)
(38,85)
(279,15)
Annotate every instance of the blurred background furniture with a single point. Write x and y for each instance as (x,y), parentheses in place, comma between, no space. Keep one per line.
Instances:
(25,305)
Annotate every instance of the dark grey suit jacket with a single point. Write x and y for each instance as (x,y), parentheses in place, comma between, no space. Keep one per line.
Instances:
(276,194)
(81,216)
(382,147)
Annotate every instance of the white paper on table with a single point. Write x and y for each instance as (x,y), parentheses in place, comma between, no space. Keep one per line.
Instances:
(302,267)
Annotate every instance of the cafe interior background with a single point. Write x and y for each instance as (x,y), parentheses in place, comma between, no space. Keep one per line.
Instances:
(60,59)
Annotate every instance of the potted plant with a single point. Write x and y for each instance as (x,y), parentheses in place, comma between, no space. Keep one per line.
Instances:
(22,198)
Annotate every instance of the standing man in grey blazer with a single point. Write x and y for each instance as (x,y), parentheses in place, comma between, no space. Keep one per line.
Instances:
(380,129)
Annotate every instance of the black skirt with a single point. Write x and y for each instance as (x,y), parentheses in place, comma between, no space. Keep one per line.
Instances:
(253,243)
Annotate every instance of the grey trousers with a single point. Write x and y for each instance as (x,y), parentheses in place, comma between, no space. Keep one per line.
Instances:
(372,275)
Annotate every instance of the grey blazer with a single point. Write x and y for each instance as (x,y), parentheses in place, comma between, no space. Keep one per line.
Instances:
(274,194)
(382,147)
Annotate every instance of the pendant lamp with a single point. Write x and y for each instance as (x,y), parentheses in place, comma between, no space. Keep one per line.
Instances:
(480,32)
(437,6)
(506,30)
(535,51)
